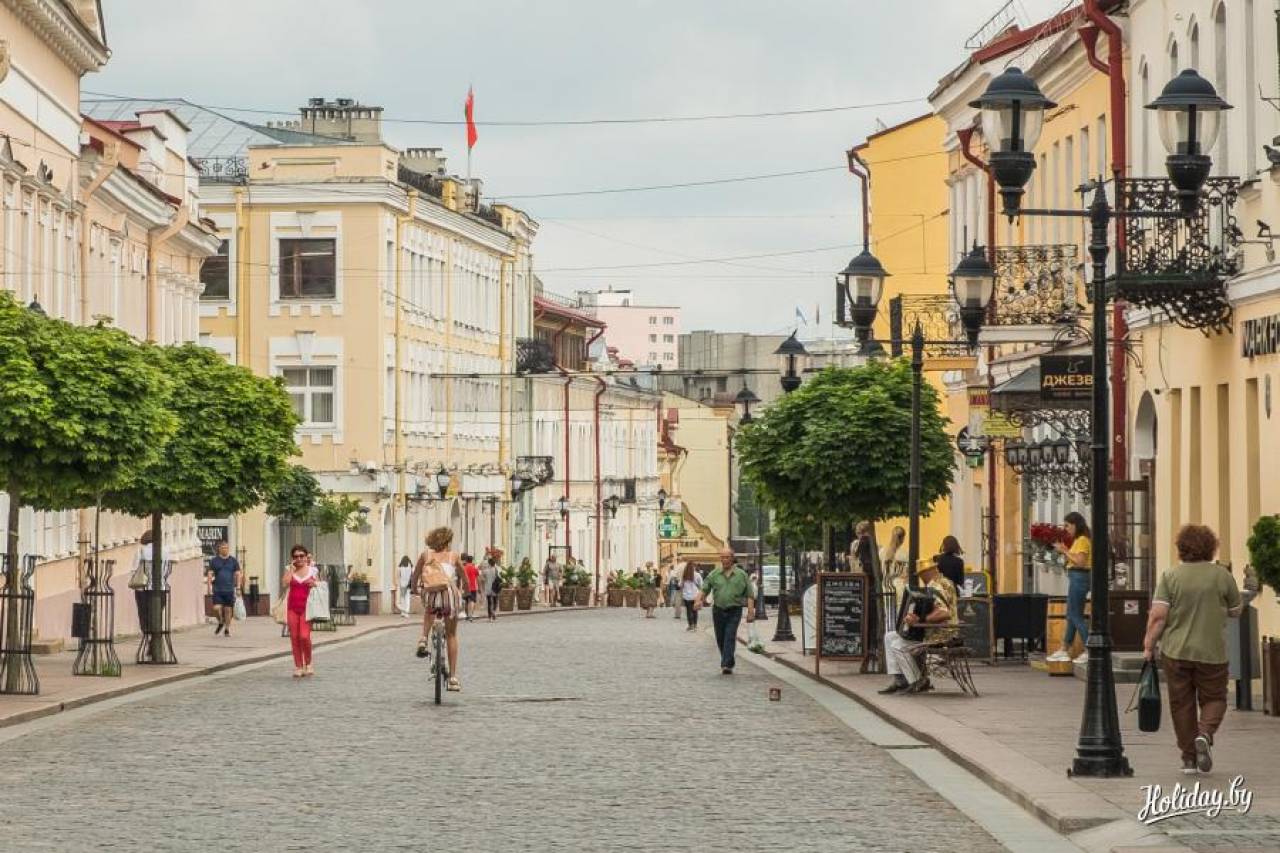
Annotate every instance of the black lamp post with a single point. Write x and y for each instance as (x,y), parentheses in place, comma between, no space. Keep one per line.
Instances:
(662,499)
(792,357)
(1012,117)
(972,286)
(611,504)
(443,480)
(563,506)
(744,399)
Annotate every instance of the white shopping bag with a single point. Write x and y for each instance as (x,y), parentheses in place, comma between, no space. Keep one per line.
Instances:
(754,643)
(240,611)
(318,602)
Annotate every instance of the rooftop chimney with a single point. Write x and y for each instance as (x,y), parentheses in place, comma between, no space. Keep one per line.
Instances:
(342,118)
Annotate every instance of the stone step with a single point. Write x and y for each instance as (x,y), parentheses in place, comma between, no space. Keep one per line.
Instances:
(47,647)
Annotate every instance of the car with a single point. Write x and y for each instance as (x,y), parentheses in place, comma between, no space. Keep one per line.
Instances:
(772,575)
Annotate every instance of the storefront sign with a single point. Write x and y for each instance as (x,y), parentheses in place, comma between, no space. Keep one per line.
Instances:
(1260,336)
(997,425)
(671,526)
(1066,377)
(210,535)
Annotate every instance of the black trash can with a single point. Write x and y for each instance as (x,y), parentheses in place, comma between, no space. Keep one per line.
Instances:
(359,598)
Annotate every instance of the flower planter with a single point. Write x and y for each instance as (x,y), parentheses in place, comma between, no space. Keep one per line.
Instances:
(506,599)
(582,596)
(648,597)
(631,597)
(524,598)
(614,597)
(566,595)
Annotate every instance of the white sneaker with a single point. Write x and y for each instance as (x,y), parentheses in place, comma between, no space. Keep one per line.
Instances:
(1058,657)
(1083,657)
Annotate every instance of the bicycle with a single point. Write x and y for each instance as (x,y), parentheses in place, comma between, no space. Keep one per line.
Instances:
(438,650)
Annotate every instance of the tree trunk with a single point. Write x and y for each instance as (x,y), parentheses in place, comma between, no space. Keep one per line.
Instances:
(155,601)
(13,580)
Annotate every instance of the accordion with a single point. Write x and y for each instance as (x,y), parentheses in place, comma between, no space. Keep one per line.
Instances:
(917,601)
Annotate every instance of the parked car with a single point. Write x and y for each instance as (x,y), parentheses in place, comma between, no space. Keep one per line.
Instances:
(772,576)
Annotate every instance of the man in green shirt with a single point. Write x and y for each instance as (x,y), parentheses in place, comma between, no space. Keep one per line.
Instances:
(1189,614)
(730,590)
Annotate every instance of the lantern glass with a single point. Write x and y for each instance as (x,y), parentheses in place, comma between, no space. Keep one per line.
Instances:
(1188,129)
(974,291)
(1035,454)
(865,290)
(1062,451)
(443,479)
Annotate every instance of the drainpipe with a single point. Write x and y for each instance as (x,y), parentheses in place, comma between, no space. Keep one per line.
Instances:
(600,519)
(156,238)
(993,528)
(568,380)
(398,507)
(1119,150)
(860,170)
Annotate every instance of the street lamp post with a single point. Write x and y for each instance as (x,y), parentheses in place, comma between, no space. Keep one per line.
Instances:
(792,357)
(745,398)
(1012,117)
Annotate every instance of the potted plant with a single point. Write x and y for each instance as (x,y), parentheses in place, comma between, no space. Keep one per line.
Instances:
(614,595)
(582,592)
(358,593)
(525,576)
(631,596)
(1264,551)
(507,595)
(568,584)
(648,592)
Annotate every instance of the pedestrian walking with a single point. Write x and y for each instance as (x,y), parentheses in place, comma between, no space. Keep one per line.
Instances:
(730,590)
(300,576)
(863,550)
(551,580)
(950,561)
(1079,557)
(491,584)
(675,573)
(404,596)
(1188,619)
(471,585)
(690,586)
(223,581)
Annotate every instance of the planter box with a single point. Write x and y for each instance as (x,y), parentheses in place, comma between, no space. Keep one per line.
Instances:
(524,598)
(506,600)
(582,596)
(566,595)
(614,597)
(631,597)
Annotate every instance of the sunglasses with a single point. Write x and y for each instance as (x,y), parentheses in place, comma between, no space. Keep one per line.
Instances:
(298,556)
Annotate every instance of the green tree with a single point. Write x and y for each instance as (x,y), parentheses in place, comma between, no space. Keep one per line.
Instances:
(298,498)
(230,449)
(838,448)
(81,407)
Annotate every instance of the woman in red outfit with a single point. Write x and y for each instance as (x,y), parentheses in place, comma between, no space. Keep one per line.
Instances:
(298,580)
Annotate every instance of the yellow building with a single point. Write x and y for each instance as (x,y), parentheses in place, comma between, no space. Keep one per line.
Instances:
(101,222)
(908,222)
(696,440)
(389,301)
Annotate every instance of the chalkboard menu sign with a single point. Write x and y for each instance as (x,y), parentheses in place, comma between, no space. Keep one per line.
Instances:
(976,627)
(842,610)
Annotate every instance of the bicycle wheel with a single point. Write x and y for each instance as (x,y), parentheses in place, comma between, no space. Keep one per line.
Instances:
(437,642)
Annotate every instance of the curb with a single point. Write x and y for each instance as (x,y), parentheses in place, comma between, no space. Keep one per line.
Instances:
(1015,795)
(115,693)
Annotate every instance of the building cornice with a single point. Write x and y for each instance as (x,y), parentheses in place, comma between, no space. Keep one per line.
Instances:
(62,29)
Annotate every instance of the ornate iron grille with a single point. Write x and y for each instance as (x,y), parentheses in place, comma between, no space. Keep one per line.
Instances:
(534,356)
(17,607)
(1036,285)
(1175,264)
(938,318)
(223,170)
(97,653)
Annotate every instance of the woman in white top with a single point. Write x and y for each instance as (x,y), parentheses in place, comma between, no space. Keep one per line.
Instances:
(690,586)
(448,603)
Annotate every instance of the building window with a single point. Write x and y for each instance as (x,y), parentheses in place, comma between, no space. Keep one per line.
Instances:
(214,274)
(668,356)
(653,321)
(653,358)
(653,339)
(311,390)
(668,339)
(668,321)
(722,383)
(307,269)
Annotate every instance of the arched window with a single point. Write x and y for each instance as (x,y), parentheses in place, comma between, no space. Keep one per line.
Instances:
(1174,67)
(1193,46)
(1222,159)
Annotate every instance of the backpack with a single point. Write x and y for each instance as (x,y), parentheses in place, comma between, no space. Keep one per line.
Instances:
(497,584)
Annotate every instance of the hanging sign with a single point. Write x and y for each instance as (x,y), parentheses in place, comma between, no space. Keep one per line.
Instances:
(1066,378)
(671,526)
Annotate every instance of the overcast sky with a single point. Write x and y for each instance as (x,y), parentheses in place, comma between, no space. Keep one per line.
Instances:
(586,59)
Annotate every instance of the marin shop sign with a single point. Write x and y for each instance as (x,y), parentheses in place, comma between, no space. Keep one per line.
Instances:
(1260,336)
(1066,378)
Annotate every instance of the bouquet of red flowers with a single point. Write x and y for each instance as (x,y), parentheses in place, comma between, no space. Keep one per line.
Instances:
(1047,535)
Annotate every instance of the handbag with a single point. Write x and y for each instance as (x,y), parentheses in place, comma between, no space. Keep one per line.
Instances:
(318,603)
(1146,695)
(138,578)
(241,613)
(279,610)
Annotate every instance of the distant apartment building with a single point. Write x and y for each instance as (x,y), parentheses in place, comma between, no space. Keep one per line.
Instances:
(646,335)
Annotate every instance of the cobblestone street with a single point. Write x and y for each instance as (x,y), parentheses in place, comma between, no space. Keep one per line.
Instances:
(581,731)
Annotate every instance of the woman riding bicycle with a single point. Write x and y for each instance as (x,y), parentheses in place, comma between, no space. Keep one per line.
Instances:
(446,602)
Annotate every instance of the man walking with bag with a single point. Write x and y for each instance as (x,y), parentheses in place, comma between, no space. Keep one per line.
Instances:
(223,581)
(731,590)
(1188,616)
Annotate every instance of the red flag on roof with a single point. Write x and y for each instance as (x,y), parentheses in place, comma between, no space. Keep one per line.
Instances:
(470,110)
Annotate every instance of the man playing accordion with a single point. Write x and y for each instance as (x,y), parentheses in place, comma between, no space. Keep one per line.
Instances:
(931,618)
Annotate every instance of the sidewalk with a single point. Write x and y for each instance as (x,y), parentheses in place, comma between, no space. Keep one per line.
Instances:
(199,653)
(1020,734)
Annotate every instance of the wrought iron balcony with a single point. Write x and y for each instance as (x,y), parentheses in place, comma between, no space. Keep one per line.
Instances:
(1036,285)
(938,317)
(223,170)
(1175,264)
(534,356)
(428,184)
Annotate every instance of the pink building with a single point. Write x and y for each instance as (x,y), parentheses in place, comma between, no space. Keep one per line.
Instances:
(648,335)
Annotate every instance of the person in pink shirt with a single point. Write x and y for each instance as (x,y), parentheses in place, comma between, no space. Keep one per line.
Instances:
(297,582)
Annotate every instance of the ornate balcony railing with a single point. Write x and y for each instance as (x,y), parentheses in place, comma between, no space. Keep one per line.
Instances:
(1036,285)
(938,317)
(1175,264)
(222,170)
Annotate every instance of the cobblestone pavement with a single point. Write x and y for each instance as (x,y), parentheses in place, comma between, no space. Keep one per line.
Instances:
(577,731)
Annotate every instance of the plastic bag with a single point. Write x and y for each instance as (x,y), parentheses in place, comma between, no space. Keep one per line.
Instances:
(754,643)
(318,603)
(241,613)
